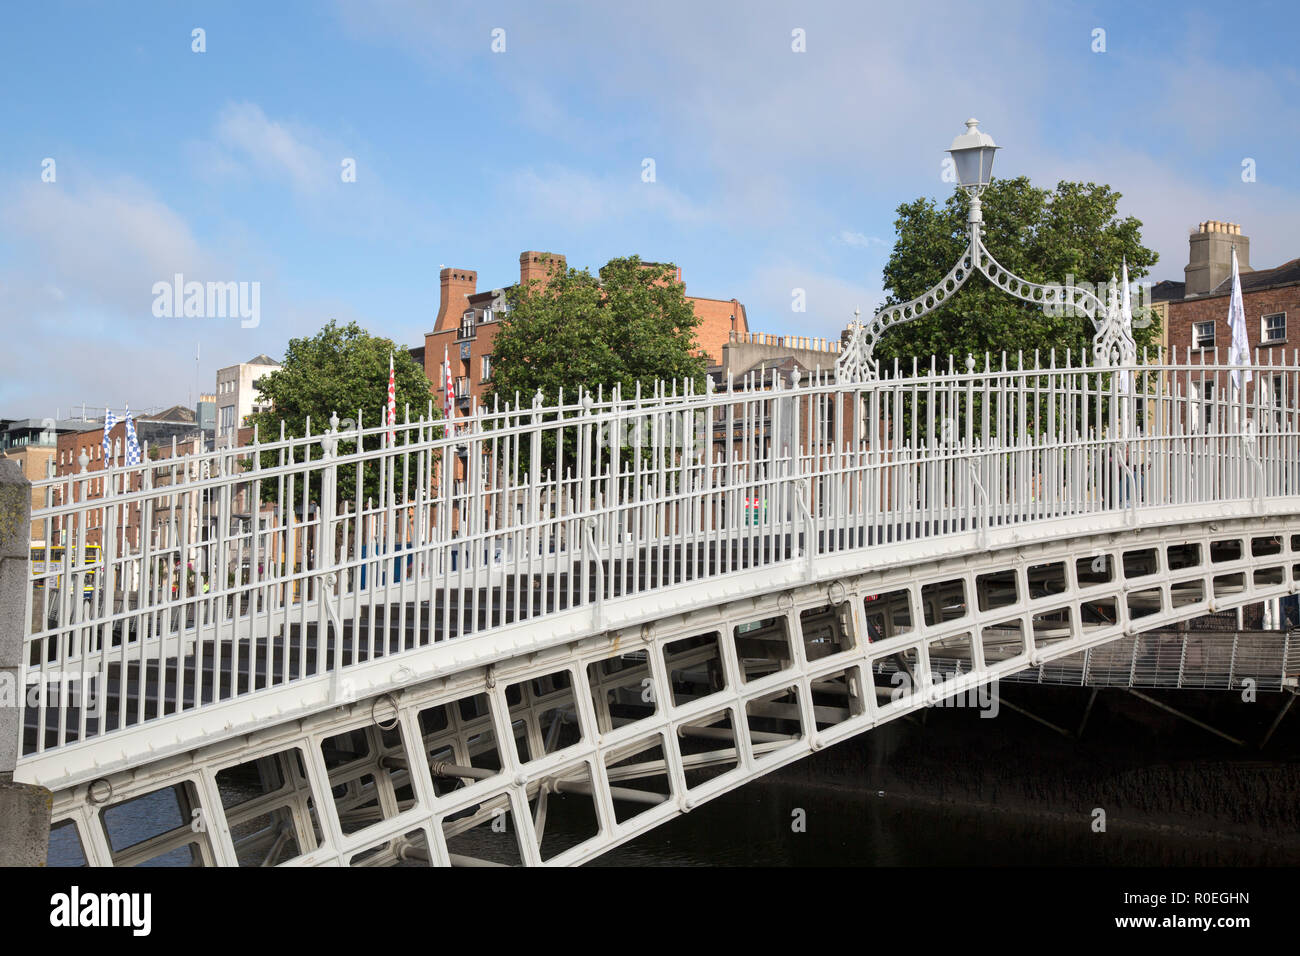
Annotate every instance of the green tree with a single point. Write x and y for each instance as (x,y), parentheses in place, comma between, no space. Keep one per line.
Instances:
(1041,235)
(343,370)
(632,324)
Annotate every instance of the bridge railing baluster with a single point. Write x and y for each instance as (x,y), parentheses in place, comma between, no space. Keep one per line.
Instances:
(530,511)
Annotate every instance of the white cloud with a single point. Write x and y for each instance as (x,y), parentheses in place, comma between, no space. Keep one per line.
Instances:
(829,300)
(1171,205)
(248,147)
(104,245)
(561,194)
(860,240)
(76,300)
(280,150)
(763,137)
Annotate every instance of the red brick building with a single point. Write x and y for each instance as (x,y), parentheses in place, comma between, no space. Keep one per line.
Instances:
(67,462)
(1195,311)
(467,323)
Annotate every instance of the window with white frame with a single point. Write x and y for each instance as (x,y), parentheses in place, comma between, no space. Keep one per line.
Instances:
(1273,328)
(486,375)
(1202,335)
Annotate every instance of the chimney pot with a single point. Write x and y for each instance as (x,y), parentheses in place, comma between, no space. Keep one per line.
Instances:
(1210,256)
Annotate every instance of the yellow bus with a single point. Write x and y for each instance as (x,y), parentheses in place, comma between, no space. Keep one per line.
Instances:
(51,560)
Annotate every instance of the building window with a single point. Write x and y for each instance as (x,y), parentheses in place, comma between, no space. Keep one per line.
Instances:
(486,375)
(1273,328)
(487,315)
(1202,335)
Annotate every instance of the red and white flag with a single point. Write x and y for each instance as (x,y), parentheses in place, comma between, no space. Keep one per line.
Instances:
(447,408)
(392,404)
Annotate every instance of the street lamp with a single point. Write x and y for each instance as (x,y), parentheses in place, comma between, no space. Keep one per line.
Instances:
(972,155)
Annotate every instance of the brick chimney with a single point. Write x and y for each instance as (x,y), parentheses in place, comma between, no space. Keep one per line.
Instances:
(538,266)
(1209,260)
(457,284)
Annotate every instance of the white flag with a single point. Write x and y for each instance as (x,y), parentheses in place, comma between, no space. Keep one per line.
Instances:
(1239,350)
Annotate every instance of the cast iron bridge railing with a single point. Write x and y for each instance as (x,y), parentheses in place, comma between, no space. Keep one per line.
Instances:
(197,583)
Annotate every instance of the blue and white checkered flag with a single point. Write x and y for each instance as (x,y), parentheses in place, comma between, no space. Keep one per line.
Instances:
(109,422)
(132,444)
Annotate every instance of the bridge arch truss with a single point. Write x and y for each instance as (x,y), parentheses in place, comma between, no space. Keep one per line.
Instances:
(555,756)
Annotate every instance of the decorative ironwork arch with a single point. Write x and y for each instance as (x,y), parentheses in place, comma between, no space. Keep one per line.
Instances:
(1113,342)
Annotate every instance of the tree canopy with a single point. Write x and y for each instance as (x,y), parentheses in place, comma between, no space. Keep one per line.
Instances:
(1042,235)
(632,323)
(341,369)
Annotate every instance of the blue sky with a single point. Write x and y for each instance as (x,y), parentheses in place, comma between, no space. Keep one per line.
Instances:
(774,170)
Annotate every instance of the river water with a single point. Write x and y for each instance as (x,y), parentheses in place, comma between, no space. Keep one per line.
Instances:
(950,789)
(754,826)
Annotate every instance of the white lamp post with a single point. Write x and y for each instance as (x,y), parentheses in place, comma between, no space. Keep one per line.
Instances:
(972,154)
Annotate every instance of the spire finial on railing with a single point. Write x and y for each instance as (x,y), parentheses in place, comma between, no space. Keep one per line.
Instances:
(330,440)
(1113,343)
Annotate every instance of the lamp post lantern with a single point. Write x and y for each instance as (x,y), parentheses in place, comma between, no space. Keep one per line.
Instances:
(972,154)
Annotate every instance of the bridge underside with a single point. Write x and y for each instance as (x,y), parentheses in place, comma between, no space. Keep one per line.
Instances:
(555,756)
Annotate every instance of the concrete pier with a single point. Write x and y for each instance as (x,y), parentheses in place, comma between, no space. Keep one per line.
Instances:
(24,809)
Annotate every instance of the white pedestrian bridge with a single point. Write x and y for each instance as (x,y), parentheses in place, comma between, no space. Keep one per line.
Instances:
(363,648)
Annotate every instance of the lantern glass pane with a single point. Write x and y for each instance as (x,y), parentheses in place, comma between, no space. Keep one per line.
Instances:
(974,165)
(968,166)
